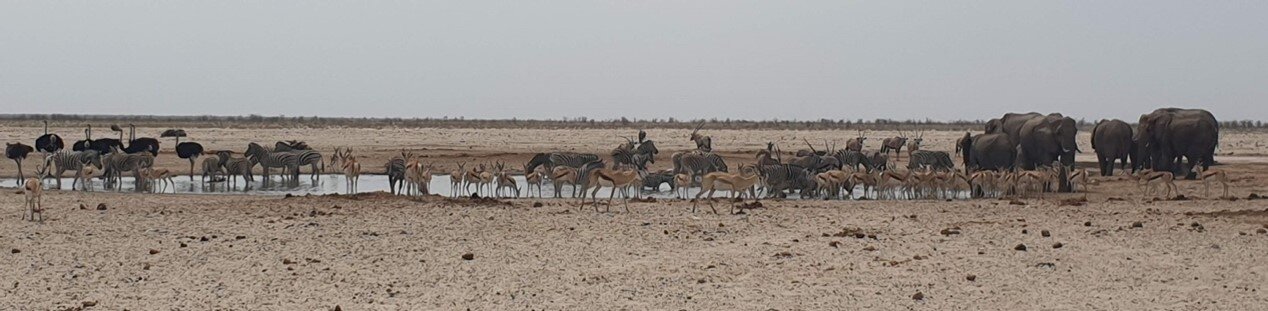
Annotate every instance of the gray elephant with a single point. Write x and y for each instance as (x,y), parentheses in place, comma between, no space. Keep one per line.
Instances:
(1010,123)
(988,152)
(1112,140)
(1047,139)
(1169,134)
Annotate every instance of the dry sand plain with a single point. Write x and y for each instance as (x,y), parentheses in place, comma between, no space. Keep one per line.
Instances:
(1118,250)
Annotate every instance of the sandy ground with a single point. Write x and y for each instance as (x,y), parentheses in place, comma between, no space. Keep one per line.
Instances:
(1119,250)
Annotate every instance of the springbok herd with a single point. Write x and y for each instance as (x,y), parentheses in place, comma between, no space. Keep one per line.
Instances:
(1018,155)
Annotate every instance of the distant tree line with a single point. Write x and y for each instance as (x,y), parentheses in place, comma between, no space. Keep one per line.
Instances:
(282,121)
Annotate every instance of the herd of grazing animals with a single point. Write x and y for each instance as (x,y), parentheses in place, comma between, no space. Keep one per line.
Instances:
(1016,155)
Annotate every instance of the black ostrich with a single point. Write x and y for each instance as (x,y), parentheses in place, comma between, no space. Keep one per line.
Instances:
(85,144)
(143,144)
(49,143)
(17,152)
(106,145)
(186,150)
(291,145)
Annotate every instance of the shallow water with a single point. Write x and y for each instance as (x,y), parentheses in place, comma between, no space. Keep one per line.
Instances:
(334,183)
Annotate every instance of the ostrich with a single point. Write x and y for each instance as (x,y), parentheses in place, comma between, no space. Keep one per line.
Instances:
(143,144)
(86,143)
(49,143)
(17,152)
(186,150)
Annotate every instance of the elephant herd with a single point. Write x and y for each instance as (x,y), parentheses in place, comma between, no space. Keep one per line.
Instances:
(1161,141)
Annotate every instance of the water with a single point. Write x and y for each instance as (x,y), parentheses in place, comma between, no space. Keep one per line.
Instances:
(334,183)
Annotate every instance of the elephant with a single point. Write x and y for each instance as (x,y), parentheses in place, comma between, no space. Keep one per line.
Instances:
(1112,140)
(1169,134)
(1010,124)
(1047,139)
(988,152)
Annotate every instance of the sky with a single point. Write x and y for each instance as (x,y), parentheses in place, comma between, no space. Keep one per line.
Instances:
(787,60)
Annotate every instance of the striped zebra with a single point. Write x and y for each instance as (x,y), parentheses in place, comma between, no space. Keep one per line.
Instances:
(554,159)
(311,158)
(115,163)
(66,159)
(637,154)
(235,167)
(268,159)
(854,159)
(698,163)
(936,160)
(783,177)
(395,170)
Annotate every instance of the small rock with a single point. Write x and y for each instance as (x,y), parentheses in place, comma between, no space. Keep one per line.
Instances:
(468,256)
(337,308)
(287,261)
(101,206)
(1045,233)
(971,278)
(82,206)
(15,251)
(1024,231)
(537,204)
(1261,231)
(869,248)
(918,296)
(154,251)
(834,244)
(1058,245)
(203,239)
(1138,225)
(89,304)
(1087,224)
(1020,247)
(949,231)
(183,244)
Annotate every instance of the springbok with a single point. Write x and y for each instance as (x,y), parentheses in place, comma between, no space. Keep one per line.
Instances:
(1149,179)
(616,178)
(737,183)
(160,175)
(502,179)
(457,178)
(682,184)
(34,192)
(1207,176)
(534,177)
(561,175)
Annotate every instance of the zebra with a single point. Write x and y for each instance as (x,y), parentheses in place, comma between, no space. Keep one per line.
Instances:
(654,180)
(854,159)
(395,168)
(637,154)
(310,158)
(235,166)
(778,178)
(117,162)
(935,160)
(65,160)
(553,159)
(269,159)
(697,163)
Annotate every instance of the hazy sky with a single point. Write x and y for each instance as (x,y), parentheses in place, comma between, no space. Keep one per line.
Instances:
(603,59)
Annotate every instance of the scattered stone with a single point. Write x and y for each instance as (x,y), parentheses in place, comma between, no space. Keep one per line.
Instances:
(1016,202)
(89,304)
(1045,233)
(468,256)
(1261,231)
(1138,225)
(971,278)
(834,244)
(783,255)
(203,239)
(101,206)
(240,237)
(1046,265)
(154,251)
(287,261)
(918,296)
(1020,247)
(869,248)
(15,251)
(337,308)
(537,204)
(1024,231)
(183,244)
(1058,245)
(950,231)
(1087,224)
(288,195)
(1253,196)
(82,206)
